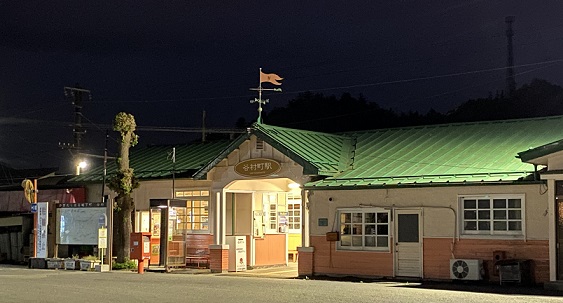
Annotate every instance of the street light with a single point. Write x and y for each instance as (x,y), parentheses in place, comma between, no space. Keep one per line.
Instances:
(109,204)
(81,165)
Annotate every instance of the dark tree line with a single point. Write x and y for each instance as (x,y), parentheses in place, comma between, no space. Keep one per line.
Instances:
(317,112)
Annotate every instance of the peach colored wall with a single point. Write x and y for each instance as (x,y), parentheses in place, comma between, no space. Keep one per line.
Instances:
(327,260)
(436,260)
(270,250)
(437,254)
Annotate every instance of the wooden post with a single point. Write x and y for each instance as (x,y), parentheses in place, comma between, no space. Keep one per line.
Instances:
(35,219)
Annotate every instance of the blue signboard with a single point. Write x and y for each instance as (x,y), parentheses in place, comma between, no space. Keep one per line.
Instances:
(102,221)
(33,207)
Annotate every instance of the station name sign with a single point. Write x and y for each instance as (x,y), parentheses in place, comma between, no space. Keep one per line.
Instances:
(260,167)
(81,205)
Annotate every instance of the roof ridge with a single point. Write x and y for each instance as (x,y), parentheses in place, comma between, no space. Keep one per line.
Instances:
(181,144)
(267,126)
(433,176)
(431,126)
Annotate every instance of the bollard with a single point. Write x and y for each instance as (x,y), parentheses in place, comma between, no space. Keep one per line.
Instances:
(141,267)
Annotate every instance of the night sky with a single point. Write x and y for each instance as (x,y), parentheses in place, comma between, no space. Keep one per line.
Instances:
(167,61)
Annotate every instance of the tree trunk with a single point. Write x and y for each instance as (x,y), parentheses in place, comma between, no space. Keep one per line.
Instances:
(123,184)
(122,232)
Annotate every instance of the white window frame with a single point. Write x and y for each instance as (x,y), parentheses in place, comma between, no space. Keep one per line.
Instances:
(492,233)
(190,197)
(270,199)
(294,199)
(363,211)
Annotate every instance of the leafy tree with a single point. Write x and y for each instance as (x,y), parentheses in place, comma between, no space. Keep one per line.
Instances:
(123,184)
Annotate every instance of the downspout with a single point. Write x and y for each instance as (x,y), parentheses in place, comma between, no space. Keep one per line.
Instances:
(455,226)
(304,218)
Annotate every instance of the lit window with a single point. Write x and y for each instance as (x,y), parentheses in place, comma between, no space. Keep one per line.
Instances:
(364,229)
(196,215)
(294,213)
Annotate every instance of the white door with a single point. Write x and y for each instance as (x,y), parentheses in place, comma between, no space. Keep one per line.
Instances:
(408,243)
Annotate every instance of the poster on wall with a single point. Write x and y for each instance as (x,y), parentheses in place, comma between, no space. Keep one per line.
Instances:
(258,224)
(42,221)
(282,221)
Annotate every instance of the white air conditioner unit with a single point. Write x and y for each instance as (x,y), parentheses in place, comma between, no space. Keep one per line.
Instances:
(464,269)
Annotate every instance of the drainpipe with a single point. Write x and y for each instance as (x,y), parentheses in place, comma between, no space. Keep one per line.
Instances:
(216,230)
(304,218)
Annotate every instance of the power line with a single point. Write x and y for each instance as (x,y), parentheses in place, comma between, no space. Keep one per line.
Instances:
(426,78)
(427,97)
(342,87)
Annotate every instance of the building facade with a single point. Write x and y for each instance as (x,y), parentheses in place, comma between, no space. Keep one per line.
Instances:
(420,202)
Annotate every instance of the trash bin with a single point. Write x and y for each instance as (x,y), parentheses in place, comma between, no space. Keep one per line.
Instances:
(514,271)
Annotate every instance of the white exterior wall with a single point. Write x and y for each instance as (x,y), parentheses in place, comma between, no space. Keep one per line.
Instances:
(154,189)
(438,219)
(223,174)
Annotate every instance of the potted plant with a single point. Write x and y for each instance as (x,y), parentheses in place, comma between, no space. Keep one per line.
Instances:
(55,263)
(89,263)
(72,263)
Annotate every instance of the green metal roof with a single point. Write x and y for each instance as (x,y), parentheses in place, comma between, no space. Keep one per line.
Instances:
(318,153)
(155,162)
(461,153)
(449,153)
(541,151)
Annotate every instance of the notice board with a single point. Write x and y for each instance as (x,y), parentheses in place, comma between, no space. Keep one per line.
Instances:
(78,223)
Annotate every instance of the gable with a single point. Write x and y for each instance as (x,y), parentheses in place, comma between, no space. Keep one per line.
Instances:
(318,153)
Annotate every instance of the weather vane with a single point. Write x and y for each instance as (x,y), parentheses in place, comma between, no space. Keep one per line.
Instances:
(271,78)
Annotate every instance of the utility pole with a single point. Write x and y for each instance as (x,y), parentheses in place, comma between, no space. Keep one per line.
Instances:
(77,95)
(510,81)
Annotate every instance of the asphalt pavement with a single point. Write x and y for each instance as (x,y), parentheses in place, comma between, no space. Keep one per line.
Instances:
(20,284)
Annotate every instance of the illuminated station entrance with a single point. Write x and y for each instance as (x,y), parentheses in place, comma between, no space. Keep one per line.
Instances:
(243,209)
(267,213)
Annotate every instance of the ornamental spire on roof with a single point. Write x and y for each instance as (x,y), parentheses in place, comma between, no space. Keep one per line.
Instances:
(270,78)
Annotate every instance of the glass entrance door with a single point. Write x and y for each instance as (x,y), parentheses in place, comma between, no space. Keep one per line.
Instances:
(168,230)
(155,224)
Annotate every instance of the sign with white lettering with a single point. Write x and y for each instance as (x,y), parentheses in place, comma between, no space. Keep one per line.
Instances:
(257,167)
(42,221)
(102,238)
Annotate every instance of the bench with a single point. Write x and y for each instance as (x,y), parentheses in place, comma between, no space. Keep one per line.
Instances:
(294,255)
(197,256)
